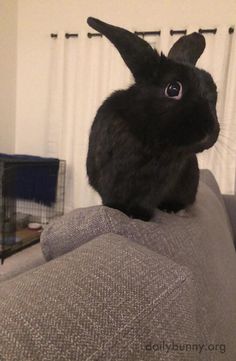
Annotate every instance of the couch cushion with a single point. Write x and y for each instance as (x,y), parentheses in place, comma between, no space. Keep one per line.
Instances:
(199,239)
(112,299)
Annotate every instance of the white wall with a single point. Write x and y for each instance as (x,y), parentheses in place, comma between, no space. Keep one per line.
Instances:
(38,18)
(8,46)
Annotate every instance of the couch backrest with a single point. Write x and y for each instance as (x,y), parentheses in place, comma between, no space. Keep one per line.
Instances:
(199,239)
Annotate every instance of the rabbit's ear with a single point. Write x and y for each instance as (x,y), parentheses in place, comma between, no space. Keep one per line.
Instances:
(188,48)
(138,55)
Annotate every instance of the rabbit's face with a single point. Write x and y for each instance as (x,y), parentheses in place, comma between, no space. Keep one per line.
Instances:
(182,106)
(172,103)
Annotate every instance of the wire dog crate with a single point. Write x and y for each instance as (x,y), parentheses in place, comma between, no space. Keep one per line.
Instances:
(32,193)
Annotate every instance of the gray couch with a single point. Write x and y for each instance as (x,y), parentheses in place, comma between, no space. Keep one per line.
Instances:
(117,288)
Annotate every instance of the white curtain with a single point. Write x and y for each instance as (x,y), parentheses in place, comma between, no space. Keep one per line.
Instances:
(84,71)
(220,60)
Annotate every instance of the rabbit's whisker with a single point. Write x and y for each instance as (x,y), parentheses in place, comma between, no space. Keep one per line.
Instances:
(227,138)
(218,153)
(227,126)
(227,147)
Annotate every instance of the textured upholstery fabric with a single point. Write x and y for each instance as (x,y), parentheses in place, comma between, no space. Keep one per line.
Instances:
(82,225)
(109,300)
(230,205)
(208,178)
(199,239)
(229,201)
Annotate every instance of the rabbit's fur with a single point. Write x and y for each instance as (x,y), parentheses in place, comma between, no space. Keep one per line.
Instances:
(143,143)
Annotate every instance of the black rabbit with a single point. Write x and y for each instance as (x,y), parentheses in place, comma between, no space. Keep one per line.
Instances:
(144,140)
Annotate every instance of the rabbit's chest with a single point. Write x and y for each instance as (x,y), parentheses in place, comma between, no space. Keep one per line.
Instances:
(163,169)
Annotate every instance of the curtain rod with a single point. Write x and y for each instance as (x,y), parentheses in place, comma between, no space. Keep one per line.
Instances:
(146,33)
(67,35)
(91,35)
(172,32)
(143,33)
(207,31)
(71,35)
(178,32)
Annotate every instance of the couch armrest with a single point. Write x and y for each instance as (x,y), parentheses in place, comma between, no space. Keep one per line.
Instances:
(230,205)
(74,229)
(110,299)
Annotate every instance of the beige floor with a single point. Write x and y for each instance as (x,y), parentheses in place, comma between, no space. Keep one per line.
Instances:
(21,262)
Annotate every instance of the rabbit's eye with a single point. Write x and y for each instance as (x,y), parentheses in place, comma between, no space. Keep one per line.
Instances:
(174,90)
